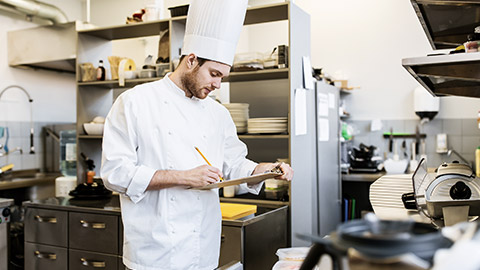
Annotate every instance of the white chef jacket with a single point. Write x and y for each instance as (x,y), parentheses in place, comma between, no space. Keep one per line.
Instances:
(154,126)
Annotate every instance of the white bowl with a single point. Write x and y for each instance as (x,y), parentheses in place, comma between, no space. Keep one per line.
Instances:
(93,128)
(395,166)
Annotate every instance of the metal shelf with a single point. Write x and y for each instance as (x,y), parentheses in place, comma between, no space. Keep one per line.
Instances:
(90,137)
(258,14)
(114,83)
(454,74)
(136,30)
(266,74)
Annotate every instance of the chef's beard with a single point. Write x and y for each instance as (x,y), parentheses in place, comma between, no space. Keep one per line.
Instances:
(190,83)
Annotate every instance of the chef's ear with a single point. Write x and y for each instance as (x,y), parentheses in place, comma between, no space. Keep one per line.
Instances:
(191,61)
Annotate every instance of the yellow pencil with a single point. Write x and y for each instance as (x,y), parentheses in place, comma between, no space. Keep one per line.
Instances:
(198,150)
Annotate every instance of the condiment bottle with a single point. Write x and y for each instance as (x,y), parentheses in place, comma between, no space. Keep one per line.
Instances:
(100,71)
(478,120)
(477,161)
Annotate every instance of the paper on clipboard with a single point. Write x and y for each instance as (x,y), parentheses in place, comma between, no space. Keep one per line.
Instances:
(254,179)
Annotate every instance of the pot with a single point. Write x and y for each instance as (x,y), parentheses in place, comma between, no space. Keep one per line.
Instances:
(377,240)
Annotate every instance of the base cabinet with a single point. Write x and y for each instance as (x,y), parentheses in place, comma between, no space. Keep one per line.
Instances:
(65,237)
(62,239)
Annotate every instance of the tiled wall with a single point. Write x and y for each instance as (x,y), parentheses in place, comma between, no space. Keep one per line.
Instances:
(463,136)
(19,136)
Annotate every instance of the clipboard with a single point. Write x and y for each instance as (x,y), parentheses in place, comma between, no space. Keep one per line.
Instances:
(253,179)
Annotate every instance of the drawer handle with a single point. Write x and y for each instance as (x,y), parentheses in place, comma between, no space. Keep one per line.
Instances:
(45,255)
(46,219)
(92,225)
(95,264)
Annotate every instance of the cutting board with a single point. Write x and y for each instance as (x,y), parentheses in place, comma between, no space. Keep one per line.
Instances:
(232,211)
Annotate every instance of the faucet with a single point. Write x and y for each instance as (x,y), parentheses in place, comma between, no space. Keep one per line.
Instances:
(4,153)
(30,100)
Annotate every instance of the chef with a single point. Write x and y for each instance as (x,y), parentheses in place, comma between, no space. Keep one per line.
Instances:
(149,154)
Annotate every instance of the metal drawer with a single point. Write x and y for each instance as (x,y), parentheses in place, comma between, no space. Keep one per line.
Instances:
(231,246)
(46,226)
(41,257)
(93,232)
(80,260)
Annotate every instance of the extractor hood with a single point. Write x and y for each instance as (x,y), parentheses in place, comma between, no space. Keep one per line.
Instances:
(447,25)
(51,47)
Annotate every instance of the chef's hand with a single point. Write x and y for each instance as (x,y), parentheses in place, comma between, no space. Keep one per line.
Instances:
(267,167)
(202,176)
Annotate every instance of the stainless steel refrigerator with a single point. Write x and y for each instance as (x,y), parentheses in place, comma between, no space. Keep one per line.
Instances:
(328,184)
(316,190)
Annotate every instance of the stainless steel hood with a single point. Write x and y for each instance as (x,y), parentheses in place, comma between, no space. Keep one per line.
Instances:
(447,25)
(50,47)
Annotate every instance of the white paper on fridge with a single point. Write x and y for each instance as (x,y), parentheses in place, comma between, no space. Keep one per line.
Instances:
(331,101)
(307,73)
(323,130)
(300,111)
(322,105)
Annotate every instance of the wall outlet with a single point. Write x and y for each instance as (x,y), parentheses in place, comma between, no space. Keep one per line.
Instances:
(442,143)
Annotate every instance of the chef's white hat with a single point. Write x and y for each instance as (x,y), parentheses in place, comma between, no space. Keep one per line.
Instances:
(213,28)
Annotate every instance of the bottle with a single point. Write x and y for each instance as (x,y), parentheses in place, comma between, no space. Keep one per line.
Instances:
(477,161)
(68,152)
(478,120)
(100,71)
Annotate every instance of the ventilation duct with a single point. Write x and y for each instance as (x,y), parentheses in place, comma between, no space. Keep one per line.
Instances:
(36,9)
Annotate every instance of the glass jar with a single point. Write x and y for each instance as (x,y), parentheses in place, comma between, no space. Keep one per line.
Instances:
(68,152)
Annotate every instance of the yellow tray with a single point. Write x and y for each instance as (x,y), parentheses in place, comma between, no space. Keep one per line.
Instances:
(231,211)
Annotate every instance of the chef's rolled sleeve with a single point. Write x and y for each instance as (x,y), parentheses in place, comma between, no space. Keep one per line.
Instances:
(138,185)
(120,169)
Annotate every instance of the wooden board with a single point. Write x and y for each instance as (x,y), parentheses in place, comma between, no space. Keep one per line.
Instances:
(254,179)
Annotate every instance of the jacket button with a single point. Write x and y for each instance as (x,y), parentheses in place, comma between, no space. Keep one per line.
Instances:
(170,133)
(166,102)
(172,199)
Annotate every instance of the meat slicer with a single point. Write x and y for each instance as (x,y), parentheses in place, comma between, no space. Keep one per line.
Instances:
(448,196)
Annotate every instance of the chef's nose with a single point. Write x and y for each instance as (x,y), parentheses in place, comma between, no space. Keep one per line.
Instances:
(216,83)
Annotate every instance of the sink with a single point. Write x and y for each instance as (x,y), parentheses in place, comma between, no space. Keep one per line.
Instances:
(22,175)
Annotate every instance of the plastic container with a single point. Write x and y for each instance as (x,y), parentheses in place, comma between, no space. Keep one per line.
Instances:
(68,152)
(292,254)
(64,184)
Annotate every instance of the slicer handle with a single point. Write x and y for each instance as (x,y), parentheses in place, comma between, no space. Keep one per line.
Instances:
(408,200)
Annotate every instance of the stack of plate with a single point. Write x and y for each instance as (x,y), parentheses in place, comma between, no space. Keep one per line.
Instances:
(239,113)
(268,125)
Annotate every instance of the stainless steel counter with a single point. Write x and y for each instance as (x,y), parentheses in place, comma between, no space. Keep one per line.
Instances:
(112,206)
(362,177)
(26,178)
